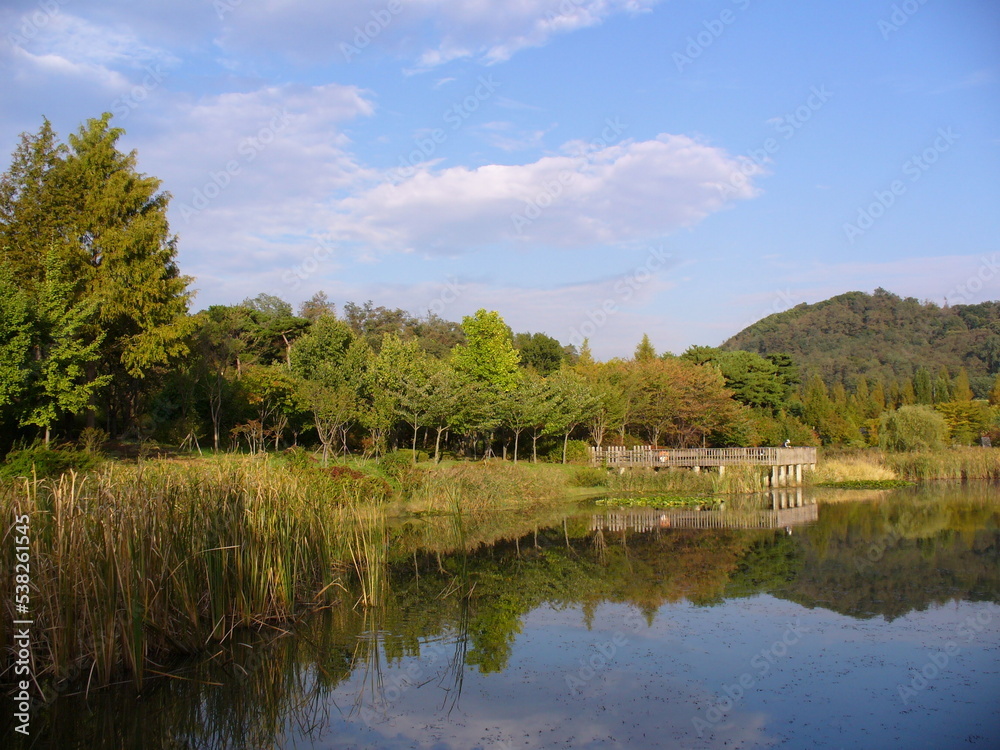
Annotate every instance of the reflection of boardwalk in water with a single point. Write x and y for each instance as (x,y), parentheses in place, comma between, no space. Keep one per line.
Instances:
(788,508)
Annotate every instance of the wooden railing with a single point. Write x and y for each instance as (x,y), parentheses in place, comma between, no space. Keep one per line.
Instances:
(650,456)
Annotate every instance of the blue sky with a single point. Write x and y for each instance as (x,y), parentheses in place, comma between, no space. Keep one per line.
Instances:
(598,168)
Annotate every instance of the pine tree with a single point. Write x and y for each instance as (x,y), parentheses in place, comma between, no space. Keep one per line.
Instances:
(922,387)
(961,390)
(124,252)
(31,206)
(942,387)
(644,351)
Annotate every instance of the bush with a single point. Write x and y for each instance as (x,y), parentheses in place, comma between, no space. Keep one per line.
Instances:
(92,439)
(41,461)
(912,428)
(298,458)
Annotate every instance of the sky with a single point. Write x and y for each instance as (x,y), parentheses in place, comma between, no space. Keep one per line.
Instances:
(590,169)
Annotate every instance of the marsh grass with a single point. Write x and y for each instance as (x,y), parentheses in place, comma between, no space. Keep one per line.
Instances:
(953,463)
(735,480)
(872,466)
(486,485)
(136,563)
(862,467)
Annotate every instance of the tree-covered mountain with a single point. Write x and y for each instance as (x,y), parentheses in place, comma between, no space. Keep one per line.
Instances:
(883,336)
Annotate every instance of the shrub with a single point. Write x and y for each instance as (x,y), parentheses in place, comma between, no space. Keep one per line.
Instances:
(912,428)
(41,461)
(92,439)
(298,458)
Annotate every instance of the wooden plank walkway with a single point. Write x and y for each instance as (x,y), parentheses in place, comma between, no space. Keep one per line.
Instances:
(648,456)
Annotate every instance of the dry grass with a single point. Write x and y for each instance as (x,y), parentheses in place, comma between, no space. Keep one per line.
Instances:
(864,467)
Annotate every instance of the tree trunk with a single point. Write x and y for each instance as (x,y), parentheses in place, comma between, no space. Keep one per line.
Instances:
(437,445)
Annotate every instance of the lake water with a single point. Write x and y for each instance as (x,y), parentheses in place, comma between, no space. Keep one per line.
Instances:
(869,622)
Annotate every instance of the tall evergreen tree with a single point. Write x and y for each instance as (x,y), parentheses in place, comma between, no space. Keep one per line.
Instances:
(923,389)
(116,220)
(32,205)
(645,350)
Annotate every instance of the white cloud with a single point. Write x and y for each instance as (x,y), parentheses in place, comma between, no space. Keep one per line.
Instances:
(429,32)
(605,195)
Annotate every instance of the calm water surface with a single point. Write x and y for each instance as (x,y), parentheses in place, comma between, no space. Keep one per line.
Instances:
(864,623)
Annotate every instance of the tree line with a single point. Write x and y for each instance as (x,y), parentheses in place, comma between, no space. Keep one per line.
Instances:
(97,339)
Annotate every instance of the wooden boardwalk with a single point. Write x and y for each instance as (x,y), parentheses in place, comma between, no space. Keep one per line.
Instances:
(786,463)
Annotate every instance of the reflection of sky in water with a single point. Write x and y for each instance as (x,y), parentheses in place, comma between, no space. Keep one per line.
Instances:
(834,686)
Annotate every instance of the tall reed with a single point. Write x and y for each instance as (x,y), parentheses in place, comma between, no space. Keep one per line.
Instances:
(137,562)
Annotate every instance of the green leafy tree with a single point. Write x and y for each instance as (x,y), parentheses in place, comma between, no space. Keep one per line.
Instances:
(966,419)
(488,357)
(942,387)
(316,307)
(331,363)
(526,407)
(543,353)
(912,428)
(573,403)
(16,331)
(62,350)
(754,380)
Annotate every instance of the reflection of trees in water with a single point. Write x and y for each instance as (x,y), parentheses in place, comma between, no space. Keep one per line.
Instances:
(459,602)
(905,552)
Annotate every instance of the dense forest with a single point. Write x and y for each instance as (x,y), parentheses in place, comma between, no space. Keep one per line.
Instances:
(856,335)
(98,345)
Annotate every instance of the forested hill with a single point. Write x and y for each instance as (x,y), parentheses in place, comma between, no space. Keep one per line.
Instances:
(881,335)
